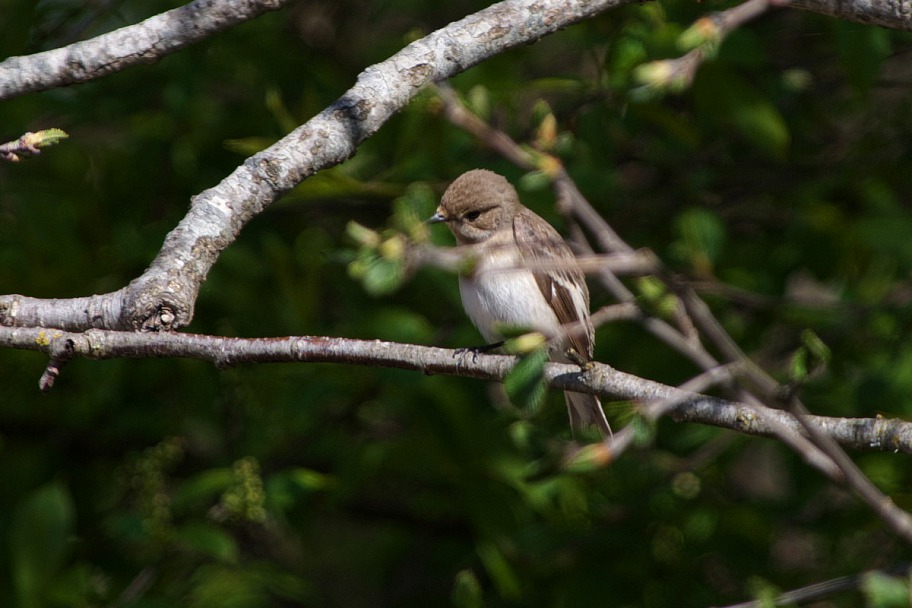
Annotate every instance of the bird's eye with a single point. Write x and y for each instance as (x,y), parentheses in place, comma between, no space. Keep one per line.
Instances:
(472,215)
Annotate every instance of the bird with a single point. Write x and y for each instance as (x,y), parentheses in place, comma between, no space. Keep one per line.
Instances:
(523,276)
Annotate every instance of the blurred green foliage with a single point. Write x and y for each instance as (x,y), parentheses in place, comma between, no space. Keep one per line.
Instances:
(782,175)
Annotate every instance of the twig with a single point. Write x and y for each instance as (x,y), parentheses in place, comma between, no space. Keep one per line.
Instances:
(634,263)
(30,144)
(611,448)
(828,588)
(896,518)
(701,40)
(826,456)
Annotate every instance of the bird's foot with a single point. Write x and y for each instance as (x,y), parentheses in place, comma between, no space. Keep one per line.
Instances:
(585,363)
(475,350)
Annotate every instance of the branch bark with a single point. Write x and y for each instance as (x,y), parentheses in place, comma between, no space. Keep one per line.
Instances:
(163,297)
(144,42)
(894,14)
(859,434)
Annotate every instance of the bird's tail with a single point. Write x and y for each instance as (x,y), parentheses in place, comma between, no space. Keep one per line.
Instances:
(586,411)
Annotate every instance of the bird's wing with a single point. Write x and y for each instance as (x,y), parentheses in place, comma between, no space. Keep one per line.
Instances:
(558,276)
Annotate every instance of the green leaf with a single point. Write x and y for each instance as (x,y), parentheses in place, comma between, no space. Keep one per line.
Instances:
(704,32)
(589,458)
(227,587)
(208,540)
(525,383)
(39,539)
(811,357)
(762,123)
(798,369)
(201,488)
(287,488)
(701,237)
(467,590)
(383,276)
(412,209)
(73,586)
(500,570)
(478,100)
(48,137)
(763,591)
(816,348)
(882,591)
(644,431)
(677,126)
(533,181)
(362,235)
(280,112)
(308,479)
(723,96)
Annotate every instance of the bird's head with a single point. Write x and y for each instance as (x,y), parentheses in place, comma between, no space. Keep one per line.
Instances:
(477,205)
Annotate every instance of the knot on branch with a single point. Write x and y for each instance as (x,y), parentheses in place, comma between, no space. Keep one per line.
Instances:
(150,309)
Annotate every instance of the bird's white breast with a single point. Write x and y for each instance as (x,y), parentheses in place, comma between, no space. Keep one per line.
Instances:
(500,294)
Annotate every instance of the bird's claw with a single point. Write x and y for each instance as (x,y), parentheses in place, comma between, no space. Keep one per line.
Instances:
(584,363)
(475,350)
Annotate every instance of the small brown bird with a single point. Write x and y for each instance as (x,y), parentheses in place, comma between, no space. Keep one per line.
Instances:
(525,277)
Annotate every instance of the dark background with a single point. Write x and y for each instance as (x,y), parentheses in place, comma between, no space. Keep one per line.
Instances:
(783,172)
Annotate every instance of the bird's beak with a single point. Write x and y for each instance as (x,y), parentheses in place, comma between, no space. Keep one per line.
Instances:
(437,218)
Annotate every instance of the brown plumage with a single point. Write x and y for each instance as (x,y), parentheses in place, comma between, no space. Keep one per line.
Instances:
(525,276)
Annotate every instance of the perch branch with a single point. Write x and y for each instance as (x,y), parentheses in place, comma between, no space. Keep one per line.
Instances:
(861,434)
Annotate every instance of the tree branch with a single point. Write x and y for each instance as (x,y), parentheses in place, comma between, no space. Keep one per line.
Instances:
(860,434)
(896,14)
(703,39)
(817,447)
(825,589)
(144,42)
(163,297)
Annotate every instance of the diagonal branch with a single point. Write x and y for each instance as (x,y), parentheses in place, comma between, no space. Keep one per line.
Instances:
(825,589)
(817,447)
(163,297)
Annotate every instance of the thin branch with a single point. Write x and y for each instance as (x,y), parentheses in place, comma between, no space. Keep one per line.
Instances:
(702,39)
(572,202)
(817,448)
(453,259)
(611,448)
(861,434)
(30,144)
(818,591)
(144,42)
(896,518)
